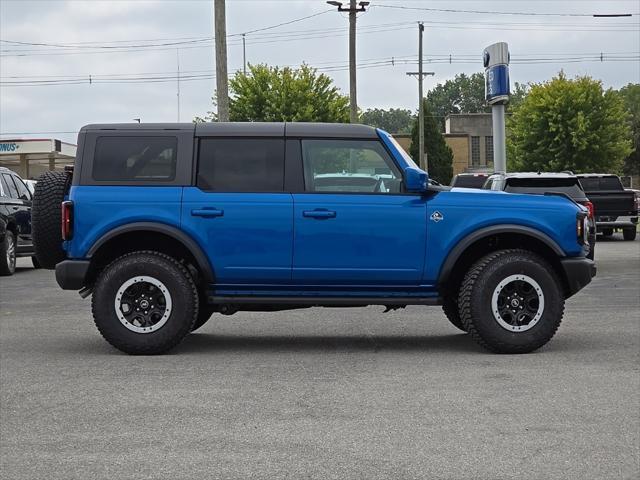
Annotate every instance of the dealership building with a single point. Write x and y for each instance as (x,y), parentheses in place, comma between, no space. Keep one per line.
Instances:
(29,158)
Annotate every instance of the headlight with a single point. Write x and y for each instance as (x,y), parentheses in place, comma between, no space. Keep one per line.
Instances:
(582,229)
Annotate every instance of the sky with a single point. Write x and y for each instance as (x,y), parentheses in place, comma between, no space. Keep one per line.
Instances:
(116,61)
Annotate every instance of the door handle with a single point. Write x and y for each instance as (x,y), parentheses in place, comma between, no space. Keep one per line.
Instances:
(320,214)
(207,212)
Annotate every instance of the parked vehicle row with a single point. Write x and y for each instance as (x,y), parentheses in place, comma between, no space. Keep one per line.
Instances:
(164,224)
(611,206)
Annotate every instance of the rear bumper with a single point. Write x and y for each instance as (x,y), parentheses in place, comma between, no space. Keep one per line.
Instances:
(71,274)
(578,272)
(616,222)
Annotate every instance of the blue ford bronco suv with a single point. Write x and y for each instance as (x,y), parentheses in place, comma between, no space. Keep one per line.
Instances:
(165,224)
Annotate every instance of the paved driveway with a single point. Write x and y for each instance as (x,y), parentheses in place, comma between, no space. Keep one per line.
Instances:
(322,393)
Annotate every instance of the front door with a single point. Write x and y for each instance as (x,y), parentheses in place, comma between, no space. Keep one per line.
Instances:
(19,207)
(239,213)
(354,225)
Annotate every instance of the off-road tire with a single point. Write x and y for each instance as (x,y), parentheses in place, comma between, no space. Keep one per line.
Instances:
(452,312)
(8,262)
(476,294)
(629,234)
(204,314)
(181,287)
(606,232)
(46,218)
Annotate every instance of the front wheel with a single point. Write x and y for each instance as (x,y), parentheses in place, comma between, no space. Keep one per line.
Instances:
(452,312)
(145,303)
(511,301)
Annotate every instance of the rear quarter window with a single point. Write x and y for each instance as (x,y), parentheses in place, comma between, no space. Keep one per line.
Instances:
(570,186)
(137,159)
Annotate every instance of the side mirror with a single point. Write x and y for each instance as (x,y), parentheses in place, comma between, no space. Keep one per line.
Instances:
(415,180)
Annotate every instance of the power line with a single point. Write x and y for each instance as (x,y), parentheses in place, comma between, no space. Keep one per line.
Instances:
(491,12)
(116,79)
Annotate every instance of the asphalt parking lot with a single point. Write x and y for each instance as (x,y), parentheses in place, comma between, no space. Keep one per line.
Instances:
(322,393)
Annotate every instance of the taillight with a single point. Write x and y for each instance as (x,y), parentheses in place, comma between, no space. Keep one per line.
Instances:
(67,220)
(590,207)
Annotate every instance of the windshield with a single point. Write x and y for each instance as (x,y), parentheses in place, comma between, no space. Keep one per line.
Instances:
(404,154)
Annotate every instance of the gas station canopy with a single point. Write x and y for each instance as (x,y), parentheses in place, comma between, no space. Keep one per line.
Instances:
(29,158)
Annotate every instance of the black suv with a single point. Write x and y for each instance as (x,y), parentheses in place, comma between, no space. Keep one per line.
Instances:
(541,183)
(15,221)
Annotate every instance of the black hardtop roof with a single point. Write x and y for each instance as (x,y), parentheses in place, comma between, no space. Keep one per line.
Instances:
(250,129)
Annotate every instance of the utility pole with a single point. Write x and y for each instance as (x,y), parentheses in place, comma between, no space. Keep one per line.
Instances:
(244,55)
(353,9)
(178,81)
(222,82)
(422,161)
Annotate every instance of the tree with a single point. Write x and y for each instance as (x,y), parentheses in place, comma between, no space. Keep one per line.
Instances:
(274,94)
(630,95)
(439,155)
(463,94)
(568,124)
(394,120)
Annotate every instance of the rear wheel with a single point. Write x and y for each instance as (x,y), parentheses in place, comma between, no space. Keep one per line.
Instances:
(629,233)
(46,218)
(511,301)
(145,303)
(8,254)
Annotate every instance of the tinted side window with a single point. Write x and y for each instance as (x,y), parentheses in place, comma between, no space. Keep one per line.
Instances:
(349,166)
(145,159)
(23,191)
(241,165)
(11,187)
(4,189)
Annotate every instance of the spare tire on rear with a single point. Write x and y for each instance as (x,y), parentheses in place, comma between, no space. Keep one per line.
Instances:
(46,218)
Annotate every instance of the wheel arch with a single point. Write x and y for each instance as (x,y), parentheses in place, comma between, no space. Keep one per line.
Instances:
(149,236)
(497,237)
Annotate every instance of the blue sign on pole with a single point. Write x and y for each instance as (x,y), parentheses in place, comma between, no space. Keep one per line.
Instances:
(497,84)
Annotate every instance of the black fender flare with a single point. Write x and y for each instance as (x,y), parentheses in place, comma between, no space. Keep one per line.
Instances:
(466,242)
(173,232)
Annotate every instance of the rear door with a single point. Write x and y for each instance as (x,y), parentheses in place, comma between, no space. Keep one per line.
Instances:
(238,210)
(353,225)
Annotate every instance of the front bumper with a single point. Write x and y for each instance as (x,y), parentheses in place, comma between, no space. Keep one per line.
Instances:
(71,274)
(578,271)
